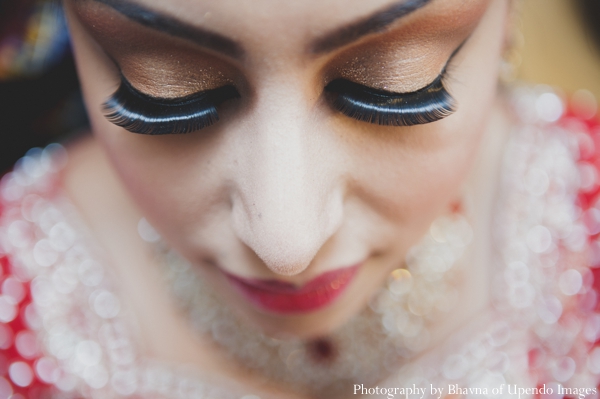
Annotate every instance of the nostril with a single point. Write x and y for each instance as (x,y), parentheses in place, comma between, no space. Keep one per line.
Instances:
(210,262)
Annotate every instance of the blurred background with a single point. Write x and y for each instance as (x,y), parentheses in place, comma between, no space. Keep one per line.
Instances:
(39,92)
(561,44)
(557,42)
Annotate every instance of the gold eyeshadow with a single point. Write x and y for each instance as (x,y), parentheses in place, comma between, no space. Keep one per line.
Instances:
(172,84)
(412,56)
(414,68)
(155,64)
(402,60)
(177,76)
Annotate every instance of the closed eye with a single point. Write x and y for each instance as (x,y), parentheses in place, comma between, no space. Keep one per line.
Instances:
(140,113)
(363,103)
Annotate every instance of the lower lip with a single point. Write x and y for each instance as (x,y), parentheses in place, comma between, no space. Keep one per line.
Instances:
(280,297)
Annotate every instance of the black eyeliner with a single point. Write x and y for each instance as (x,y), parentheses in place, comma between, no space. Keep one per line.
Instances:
(140,113)
(366,104)
(428,104)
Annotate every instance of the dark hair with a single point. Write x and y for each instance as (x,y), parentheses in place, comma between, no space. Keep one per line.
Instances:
(590,14)
(39,101)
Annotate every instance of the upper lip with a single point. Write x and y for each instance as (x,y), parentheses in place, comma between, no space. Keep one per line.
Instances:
(283,297)
(325,279)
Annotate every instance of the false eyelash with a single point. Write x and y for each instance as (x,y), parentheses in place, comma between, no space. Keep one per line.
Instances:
(381,107)
(140,113)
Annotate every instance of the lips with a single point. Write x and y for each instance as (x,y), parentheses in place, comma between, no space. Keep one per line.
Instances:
(283,297)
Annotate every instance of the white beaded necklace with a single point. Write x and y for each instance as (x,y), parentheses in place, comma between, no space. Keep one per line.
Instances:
(379,339)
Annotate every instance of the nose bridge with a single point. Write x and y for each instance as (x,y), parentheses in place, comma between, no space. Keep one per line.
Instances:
(286,203)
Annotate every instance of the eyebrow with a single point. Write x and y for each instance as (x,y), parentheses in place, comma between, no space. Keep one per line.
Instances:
(340,37)
(377,22)
(175,27)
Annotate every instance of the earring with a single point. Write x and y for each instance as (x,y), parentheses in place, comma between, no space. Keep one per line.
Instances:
(513,47)
(426,285)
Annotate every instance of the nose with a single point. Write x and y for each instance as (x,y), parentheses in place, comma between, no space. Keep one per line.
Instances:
(288,200)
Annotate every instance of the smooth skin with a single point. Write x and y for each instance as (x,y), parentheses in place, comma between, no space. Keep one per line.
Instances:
(283,186)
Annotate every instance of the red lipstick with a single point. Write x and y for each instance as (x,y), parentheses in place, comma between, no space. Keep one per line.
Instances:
(283,297)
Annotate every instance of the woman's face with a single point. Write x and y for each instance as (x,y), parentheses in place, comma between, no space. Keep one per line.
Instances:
(294,204)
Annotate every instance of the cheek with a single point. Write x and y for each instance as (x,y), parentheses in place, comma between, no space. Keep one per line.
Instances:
(416,173)
(410,186)
(146,165)
(177,181)
(168,178)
